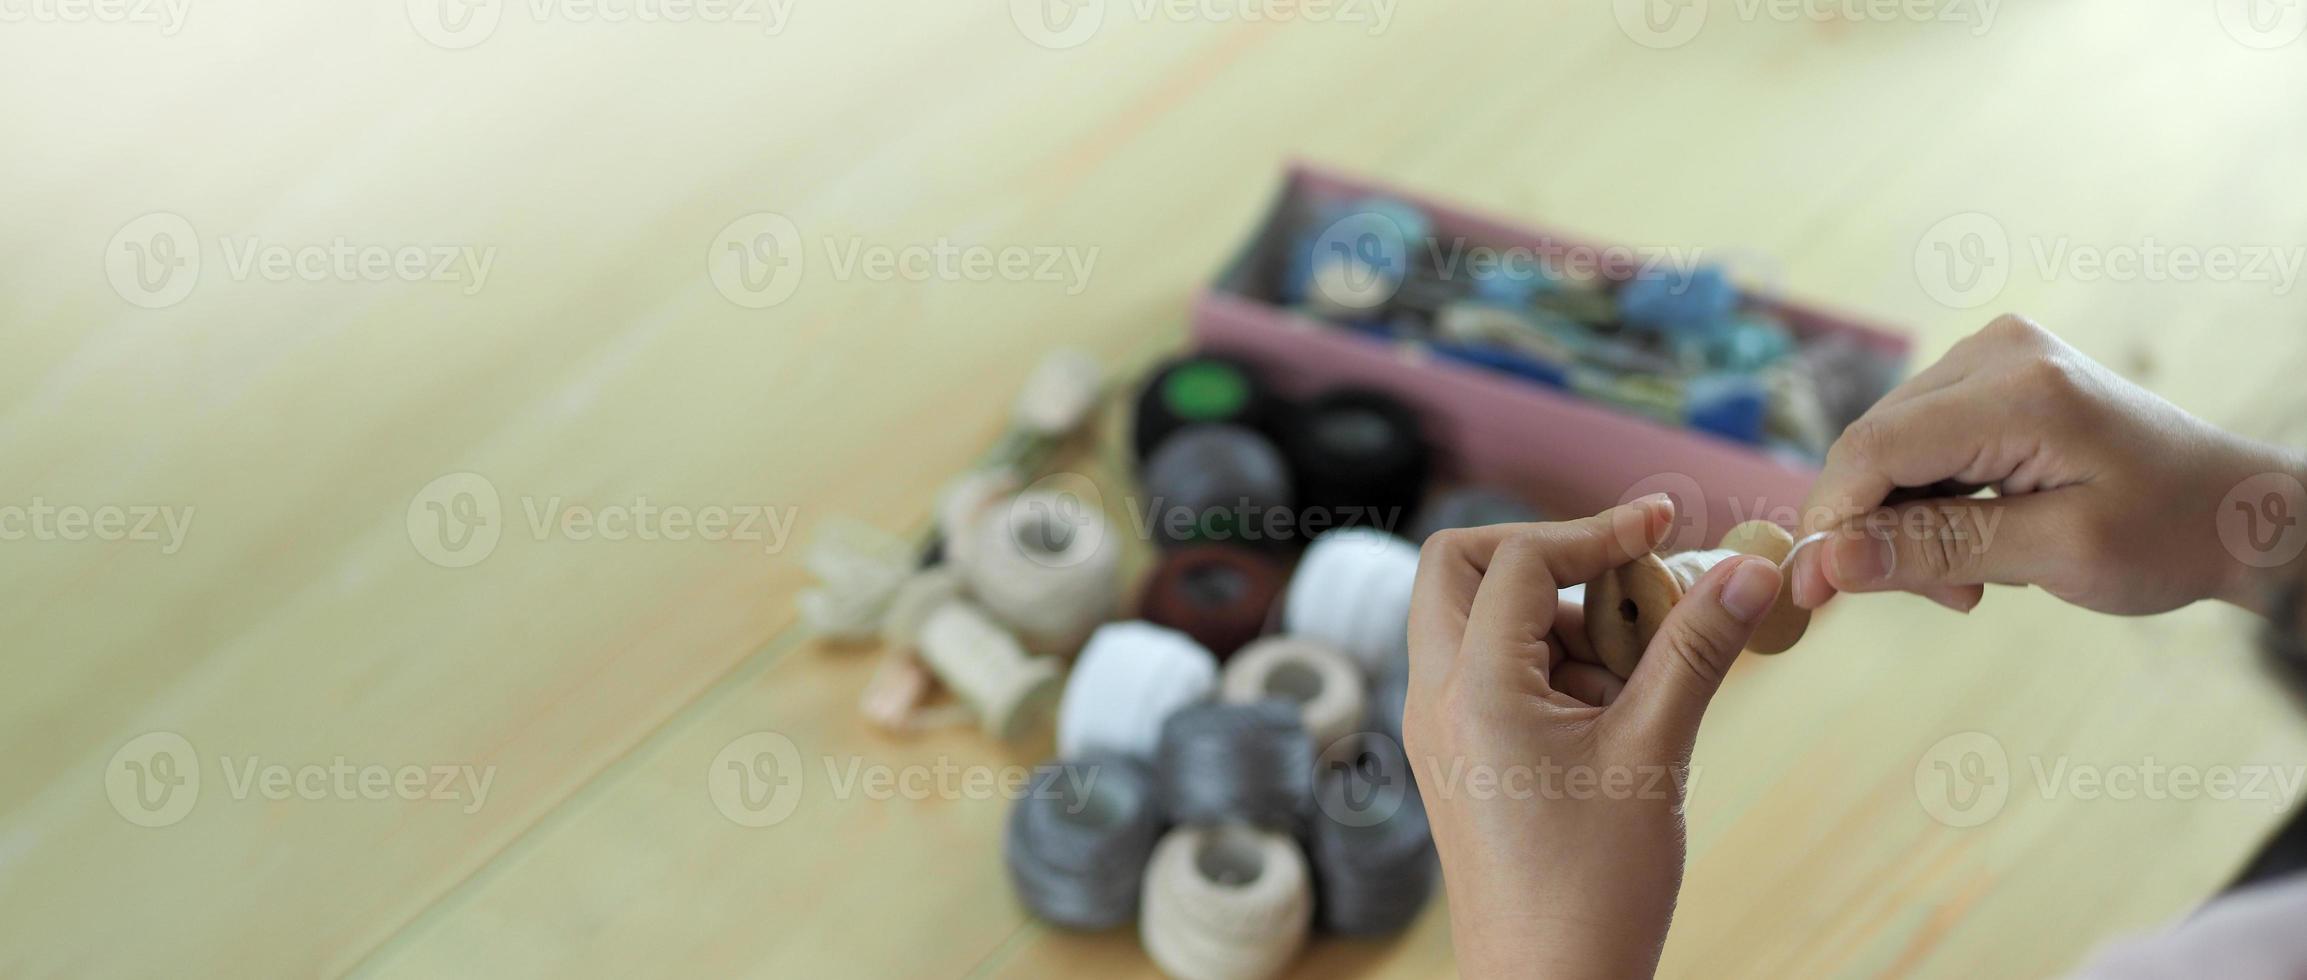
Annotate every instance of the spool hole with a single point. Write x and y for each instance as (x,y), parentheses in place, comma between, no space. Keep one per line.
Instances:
(1100,807)
(1230,857)
(1627,610)
(1045,535)
(1297,683)
(1211,584)
(1354,432)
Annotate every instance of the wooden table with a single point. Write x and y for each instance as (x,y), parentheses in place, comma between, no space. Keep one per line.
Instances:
(295,409)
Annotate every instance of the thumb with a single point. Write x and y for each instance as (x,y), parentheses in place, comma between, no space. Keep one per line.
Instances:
(1695,647)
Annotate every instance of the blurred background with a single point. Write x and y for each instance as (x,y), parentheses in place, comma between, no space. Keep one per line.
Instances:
(277,281)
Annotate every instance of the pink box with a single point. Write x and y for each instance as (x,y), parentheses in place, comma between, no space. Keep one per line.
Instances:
(1568,455)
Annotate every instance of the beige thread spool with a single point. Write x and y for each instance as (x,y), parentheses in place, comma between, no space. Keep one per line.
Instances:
(1228,902)
(1047,567)
(977,660)
(1324,684)
(1625,608)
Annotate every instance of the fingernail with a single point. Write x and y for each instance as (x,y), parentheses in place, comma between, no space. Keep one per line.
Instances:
(1862,559)
(1658,508)
(1798,577)
(1752,587)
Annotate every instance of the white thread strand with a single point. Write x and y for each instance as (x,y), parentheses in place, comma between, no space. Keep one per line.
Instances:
(1047,566)
(1225,903)
(1352,591)
(1687,566)
(1326,686)
(1130,678)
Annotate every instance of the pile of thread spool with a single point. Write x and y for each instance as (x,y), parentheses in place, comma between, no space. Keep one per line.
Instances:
(1674,341)
(1230,776)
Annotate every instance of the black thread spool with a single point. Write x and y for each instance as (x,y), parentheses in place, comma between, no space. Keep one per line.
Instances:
(1359,460)
(1078,841)
(1471,507)
(1218,484)
(1370,844)
(1248,762)
(1199,389)
(1218,594)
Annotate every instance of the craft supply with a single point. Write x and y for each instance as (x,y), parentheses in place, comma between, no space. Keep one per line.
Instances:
(1352,591)
(1358,458)
(1047,566)
(1625,608)
(1249,762)
(1674,301)
(1079,840)
(858,569)
(963,502)
(1229,902)
(1218,483)
(1472,506)
(981,663)
(1129,679)
(1199,389)
(1325,687)
(1060,394)
(1218,594)
(1733,406)
(1371,848)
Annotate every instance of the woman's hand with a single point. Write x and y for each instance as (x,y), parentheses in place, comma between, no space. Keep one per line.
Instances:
(1555,790)
(2106,495)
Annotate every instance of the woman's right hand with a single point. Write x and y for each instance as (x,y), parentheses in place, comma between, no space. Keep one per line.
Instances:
(2106,495)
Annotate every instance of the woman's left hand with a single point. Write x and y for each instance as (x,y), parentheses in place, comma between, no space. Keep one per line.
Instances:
(1555,790)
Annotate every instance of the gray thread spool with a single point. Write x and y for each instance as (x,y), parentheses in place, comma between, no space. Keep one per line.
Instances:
(1471,507)
(1249,762)
(1207,470)
(1370,845)
(1077,860)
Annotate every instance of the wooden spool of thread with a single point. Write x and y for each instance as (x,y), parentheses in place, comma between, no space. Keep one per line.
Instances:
(1358,458)
(1047,566)
(1129,679)
(1625,608)
(1228,902)
(1218,594)
(1352,591)
(1324,686)
(1199,389)
(979,662)
(1217,483)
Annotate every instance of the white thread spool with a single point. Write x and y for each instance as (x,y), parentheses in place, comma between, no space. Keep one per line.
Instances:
(1352,591)
(980,663)
(1047,566)
(1325,686)
(1130,678)
(1225,903)
(858,568)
